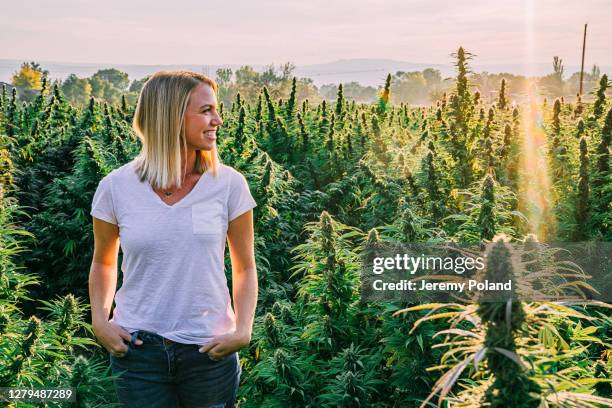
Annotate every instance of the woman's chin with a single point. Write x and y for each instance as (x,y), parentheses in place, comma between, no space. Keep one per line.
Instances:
(205,145)
(208,146)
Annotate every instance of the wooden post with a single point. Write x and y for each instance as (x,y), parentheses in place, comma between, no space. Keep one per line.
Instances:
(582,66)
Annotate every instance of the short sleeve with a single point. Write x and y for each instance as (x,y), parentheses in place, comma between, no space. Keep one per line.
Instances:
(102,206)
(240,199)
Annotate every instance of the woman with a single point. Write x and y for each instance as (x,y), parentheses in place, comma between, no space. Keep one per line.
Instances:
(172,208)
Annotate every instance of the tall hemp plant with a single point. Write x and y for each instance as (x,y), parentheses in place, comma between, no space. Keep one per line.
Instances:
(508,352)
(44,351)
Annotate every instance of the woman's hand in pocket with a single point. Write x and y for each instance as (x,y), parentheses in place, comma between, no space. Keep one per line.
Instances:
(225,344)
(111,336)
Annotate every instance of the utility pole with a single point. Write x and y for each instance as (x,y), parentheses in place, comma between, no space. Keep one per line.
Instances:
(582,66)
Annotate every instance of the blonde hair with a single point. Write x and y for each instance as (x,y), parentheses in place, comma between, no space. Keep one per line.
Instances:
(159,122)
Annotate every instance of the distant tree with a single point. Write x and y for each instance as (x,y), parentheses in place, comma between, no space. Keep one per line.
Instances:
(595,73)
(76,90)
(137,84)
(488,84)
(572,84)
(224,76)
(287,71)
(116,78)
(270,78)
(279,83)
(350,91)
(558,67)
(433,77)
(28,80)
(329,91)
(306,89)
(248,82)
(411,87)
(109,85)
(553,83)
(98,87)
(224,82)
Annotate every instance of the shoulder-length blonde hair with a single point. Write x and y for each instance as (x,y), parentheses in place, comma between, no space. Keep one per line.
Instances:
(159,122)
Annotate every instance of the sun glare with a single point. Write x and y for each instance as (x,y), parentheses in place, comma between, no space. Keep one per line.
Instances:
(535,183)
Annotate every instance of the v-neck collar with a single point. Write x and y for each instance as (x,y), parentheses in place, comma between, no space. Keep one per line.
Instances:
(159,199)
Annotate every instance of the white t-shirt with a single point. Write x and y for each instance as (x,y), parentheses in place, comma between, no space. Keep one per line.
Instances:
(173,256)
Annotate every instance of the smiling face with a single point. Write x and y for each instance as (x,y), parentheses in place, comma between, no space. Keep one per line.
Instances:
(202,118)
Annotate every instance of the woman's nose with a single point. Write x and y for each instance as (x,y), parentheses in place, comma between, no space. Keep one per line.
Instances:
(218,120)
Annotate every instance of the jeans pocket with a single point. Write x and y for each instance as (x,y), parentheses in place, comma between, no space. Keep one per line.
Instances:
(213,359)
(127,353)
(113,357)
(130,345)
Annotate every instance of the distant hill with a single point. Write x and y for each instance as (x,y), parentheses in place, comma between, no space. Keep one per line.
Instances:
(8,86)
(365,71)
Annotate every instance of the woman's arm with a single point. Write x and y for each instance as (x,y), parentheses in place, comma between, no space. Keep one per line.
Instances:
(244,282)
(102,286)
(244,272)
(103,271)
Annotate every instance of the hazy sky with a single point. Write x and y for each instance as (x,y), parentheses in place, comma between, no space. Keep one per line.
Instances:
(304,32)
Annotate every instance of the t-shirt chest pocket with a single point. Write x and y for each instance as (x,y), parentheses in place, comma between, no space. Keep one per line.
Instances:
(207,218)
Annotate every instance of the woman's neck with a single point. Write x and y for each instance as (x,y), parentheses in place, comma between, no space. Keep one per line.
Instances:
(189,161)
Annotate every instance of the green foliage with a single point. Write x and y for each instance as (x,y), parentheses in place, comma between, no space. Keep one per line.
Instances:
(77,90)
(503,321)
(28,80)
(383,99)
(37,352)
(504,352)
(486,216)
(502,102)
(321,173)
(350,91)
(487,211)
(600,103)
(583,202)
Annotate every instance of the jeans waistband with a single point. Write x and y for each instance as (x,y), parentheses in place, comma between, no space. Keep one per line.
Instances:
(151,337)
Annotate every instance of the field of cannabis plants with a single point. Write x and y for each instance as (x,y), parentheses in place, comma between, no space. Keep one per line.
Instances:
(329,180)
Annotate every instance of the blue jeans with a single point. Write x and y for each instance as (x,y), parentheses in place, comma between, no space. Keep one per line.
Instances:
(165,374)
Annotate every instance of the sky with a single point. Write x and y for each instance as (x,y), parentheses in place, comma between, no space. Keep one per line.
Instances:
(303,32)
